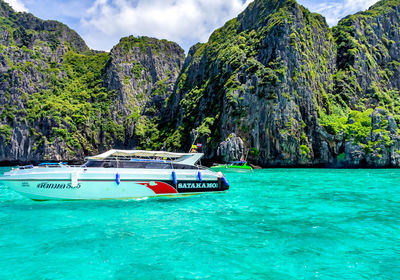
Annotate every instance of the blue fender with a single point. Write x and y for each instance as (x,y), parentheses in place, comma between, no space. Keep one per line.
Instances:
(225,181)
(174,178)
(199,176)
(117,179)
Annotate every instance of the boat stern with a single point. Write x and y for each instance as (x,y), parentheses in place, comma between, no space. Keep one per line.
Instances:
(222,182)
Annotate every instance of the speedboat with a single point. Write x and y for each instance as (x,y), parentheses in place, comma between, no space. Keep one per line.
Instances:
(117,174)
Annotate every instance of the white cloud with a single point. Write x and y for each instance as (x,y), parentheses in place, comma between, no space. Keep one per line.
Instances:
(17,5)
(334,11)
(103,22)
(182,21)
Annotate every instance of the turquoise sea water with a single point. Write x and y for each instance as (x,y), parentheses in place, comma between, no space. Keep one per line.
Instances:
(272,224)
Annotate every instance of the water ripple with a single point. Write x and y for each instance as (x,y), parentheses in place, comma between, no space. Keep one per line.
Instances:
(272,224)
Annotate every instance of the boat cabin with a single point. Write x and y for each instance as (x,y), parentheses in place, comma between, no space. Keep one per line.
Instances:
(144,159)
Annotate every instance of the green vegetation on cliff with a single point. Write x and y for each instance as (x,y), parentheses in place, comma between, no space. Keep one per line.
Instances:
(366,77)
(143,70)
(54,85)
(78,104)
(293,90)
(252,69)
(62,100)
(277,74)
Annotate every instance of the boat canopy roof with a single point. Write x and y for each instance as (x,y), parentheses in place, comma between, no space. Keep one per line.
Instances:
(183,158)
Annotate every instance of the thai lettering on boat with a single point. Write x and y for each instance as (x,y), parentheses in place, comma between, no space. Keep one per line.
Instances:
(56,186)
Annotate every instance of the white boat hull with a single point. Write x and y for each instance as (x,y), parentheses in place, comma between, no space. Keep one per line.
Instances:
(98,183)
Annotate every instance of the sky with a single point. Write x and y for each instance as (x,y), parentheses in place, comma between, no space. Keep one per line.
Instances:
(101,23)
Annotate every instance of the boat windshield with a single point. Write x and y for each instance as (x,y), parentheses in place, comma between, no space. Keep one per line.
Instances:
(147,164)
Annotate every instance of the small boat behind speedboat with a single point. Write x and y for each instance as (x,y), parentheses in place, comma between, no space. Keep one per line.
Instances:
(117,174)
(234,165)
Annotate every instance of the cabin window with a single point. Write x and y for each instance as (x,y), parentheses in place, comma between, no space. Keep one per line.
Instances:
(139,164)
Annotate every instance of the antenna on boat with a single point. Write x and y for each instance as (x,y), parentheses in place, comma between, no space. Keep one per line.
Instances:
(195,133)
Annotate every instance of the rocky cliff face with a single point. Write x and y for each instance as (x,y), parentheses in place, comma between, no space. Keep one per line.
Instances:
(363,110)
(231,148)
(295,92)
(143,72)
(275,83)
(30,48)
(262,76)
(61,101)
(24,29)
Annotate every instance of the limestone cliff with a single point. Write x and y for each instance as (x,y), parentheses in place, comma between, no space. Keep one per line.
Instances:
(62,101)
(262,76)
(143,72)
(275,83)
(364,105)
(295,91)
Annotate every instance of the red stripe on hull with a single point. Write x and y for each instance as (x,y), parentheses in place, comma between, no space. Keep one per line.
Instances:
(159,187)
